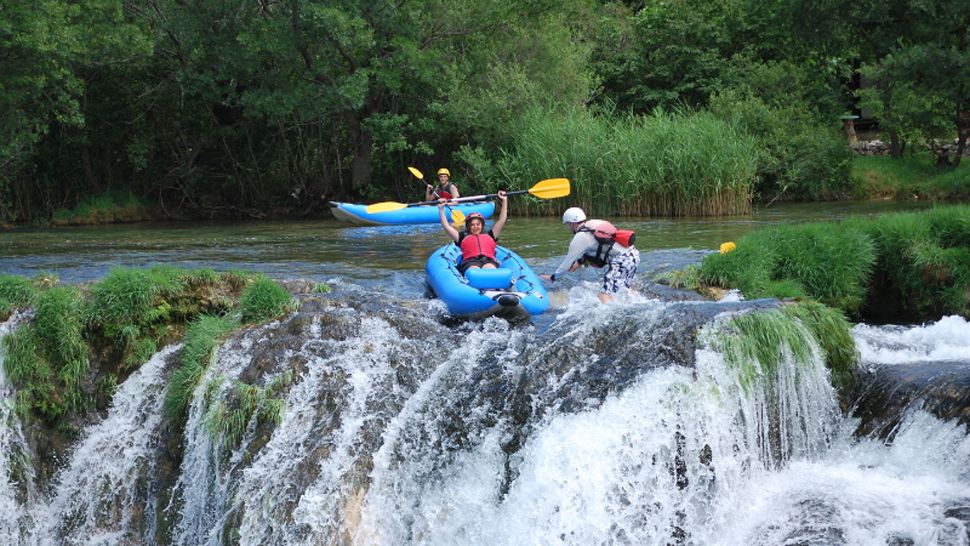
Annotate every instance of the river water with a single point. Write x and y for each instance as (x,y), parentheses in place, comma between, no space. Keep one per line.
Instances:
(325,250)
(615,424)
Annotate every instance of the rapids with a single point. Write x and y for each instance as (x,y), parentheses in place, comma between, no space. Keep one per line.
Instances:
(600,424)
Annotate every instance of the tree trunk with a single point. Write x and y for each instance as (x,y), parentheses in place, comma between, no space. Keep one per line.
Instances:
(363,142)
(895,145)
(963,131)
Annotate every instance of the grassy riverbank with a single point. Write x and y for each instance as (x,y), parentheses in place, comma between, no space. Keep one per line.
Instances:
(910,178)
(902,267)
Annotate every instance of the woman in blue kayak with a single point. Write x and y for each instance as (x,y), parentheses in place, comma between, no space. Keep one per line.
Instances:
(477,245)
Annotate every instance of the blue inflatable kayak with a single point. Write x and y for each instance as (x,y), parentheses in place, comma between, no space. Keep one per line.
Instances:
(357,214)
(512,291)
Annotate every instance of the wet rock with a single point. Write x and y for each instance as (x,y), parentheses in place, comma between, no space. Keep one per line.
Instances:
(881,395)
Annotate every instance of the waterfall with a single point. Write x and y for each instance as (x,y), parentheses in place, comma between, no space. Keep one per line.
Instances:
(16,473)
(607,424)
(663,460)
(105,494)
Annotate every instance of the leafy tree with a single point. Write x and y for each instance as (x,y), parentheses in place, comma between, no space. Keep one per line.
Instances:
(921,79)
(44,47)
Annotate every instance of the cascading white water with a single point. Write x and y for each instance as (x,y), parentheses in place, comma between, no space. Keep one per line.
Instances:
(391,438)
(202,490)
(665,458)
(107,480)
(15,472)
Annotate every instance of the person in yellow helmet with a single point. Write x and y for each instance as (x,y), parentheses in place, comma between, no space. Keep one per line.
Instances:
(446,189)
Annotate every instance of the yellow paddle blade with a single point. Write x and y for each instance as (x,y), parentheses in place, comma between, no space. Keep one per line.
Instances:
(386,206)
(551,188)
(457,218)
(417,174)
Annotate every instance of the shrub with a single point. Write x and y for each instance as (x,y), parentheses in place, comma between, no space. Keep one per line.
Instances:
(798,158)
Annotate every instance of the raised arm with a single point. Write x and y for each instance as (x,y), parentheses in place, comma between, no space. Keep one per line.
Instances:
(444,221)
(503,214)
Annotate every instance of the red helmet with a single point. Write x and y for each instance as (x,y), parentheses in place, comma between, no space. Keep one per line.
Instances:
(474,216)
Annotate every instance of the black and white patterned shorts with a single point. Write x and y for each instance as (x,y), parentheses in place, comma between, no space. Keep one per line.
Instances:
(620,271)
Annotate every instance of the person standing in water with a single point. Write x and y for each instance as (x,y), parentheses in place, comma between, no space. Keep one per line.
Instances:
(477,245)
(585,249)
(446,189)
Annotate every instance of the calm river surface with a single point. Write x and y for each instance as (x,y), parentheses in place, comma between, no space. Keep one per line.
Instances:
(327,250)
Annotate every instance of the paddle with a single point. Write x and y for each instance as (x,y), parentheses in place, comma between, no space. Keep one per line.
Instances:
(550,188)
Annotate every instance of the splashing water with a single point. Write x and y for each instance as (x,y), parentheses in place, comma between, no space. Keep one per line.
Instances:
(16,474)
(945,339)
(608,425)
(107,482)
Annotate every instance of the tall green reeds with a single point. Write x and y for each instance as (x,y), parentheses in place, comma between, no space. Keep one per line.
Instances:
(664,164)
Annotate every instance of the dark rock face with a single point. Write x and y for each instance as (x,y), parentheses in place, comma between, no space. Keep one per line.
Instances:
(881,395)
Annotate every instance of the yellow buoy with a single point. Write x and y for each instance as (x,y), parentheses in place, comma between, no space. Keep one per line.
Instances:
(727,247)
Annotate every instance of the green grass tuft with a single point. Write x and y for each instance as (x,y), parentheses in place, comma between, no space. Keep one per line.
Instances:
(15,292)
(197,351)
(754,343)
(104,208)
(832,332)
(264,300)
(48,358)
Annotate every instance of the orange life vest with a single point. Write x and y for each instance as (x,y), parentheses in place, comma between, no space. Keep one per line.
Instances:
(473,246)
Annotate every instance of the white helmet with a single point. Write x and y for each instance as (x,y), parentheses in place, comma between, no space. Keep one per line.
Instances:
(573,214)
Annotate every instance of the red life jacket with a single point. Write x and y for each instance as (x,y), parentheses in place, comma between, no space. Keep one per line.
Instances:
(473,246)
(443,192)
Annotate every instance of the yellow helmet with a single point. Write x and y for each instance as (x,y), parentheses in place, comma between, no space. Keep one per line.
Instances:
(444,171)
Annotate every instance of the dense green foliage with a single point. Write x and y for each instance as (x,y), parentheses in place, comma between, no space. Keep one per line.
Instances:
(112,110)
(897,266)
(918,68)
(120,321)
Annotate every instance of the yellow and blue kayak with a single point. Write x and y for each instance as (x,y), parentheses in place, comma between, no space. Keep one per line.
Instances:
(512,291)
(425,214)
